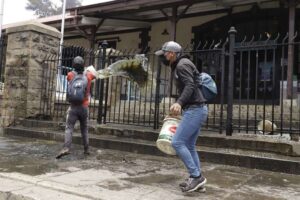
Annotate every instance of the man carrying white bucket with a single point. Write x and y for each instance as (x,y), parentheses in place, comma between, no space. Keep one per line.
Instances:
(192,103)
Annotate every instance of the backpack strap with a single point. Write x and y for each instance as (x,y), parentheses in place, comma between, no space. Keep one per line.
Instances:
(84,74)
(75,73)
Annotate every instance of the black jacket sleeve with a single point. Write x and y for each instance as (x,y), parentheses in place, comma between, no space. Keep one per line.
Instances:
(186,77)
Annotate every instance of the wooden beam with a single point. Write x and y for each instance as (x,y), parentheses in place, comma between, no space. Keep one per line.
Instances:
(107,33)
(93,31)
(184,11)
(83,32)
(123,7)
(174,19)
(99,24)
(107,16)
(164,13)
(198,14)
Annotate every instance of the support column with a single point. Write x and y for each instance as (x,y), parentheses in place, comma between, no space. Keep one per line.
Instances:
(175,18)
(27,47)
(174,21)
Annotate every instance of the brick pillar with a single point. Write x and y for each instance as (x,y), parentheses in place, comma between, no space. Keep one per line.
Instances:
(27,47)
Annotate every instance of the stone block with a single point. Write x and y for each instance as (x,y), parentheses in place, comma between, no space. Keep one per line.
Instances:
(27,47)
(35,27)
(18,41)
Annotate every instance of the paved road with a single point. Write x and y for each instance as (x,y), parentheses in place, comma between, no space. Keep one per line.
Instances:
(28,171)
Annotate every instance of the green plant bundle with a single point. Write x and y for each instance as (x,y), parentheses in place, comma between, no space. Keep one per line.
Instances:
(135,71)
(132,69)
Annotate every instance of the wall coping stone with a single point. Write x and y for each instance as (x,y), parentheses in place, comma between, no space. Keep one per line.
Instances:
(33,26)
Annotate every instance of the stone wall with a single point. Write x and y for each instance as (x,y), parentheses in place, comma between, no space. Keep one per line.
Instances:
(27,47)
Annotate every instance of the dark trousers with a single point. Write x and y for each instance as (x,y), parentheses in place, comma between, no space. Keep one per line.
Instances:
(74,113)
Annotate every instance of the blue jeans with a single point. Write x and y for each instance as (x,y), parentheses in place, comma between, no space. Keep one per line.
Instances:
(184,140)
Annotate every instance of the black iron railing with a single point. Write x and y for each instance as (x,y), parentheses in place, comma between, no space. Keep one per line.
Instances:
(252,76)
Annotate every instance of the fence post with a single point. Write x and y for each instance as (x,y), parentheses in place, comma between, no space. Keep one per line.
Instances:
(157,91)
(100,87)
(223,55)
(232,34)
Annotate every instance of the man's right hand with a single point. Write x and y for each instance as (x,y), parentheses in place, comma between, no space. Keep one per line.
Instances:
(175,109)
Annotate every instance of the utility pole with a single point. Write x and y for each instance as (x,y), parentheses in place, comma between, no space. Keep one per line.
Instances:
(62,32)
(1,17)
(1,41)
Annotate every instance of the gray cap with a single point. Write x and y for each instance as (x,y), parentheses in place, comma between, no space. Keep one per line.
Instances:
(169,46)
(78,60)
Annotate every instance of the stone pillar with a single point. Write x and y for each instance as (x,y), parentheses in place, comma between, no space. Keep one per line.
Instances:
(28,45)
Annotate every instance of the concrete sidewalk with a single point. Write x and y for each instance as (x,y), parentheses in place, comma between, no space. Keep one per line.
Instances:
(260,153)
(28,170)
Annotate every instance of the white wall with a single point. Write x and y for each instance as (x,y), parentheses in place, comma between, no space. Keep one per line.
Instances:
(184,30)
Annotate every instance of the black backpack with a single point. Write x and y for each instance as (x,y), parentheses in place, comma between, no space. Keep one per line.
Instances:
(77,88)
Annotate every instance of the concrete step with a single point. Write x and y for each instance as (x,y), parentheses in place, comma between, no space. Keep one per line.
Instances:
(260,143)
(132,116)
(242,158)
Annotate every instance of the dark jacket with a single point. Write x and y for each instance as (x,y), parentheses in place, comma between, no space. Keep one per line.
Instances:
(184,71)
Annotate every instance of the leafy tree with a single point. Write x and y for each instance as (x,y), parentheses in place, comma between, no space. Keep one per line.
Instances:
(45,8)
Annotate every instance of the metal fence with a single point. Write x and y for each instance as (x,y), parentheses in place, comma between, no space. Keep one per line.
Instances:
(54,103)
(256,83)
(266,84)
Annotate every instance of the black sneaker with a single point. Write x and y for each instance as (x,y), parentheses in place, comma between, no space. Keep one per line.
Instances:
(86,152)
(65,151)
(194,184)
(185,183)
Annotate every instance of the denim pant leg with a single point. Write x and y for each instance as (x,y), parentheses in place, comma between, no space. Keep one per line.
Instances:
(192,143)
(70,123)
(186,136)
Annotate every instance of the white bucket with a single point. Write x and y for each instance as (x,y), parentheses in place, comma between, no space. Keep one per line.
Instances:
(167,131)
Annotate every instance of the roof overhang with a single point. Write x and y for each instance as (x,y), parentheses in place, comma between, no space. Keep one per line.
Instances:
(151,9)
(121,15)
